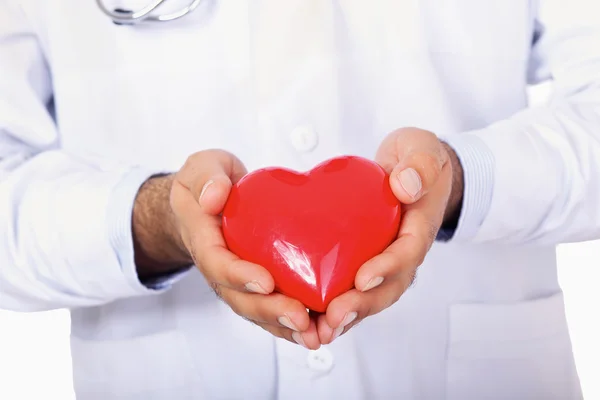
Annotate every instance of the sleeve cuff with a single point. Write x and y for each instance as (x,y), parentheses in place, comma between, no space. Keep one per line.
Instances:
(120,210)
(477,161)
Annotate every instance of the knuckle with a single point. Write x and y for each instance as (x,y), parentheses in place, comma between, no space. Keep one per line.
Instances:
(194,254)
(273,331)
(391,300)
(420,258)
(391,297)
(416,256)
(261,311)
(423,238)
(200,254)
(390,264)
(253,322)
(397,296)
(431,233)
(218,156)
(412,278)
(430,165)
(368,311)
(191,162)
(279,304)
(239,310)
(231,273)
(276,331)
(208,263)
(357,302)
(217,289)
(222,155)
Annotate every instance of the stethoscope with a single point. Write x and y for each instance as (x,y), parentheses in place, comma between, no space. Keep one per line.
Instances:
(146,14)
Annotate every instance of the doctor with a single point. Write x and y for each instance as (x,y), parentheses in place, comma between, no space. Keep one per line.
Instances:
(111,183)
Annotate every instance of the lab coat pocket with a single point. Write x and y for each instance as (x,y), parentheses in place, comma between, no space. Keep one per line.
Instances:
(156,366)
(511,351)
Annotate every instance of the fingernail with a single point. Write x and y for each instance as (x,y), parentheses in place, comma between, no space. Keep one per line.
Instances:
(255,287)
(297,336)
(348,319)
(206,185)
(337,332)
(410,181)
(287,322)
(373,283)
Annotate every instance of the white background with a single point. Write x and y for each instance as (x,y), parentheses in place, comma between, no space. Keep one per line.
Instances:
(35,357)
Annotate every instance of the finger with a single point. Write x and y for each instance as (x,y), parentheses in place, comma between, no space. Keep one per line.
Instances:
(404,254)
(209,175)
(414,158)
(308,339)
(350,308)
(202,236)
(327,334)
(275,309)
(220,266)
(418,230)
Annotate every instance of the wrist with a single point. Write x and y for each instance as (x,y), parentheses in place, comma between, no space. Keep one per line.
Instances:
(455,200)
(158,247)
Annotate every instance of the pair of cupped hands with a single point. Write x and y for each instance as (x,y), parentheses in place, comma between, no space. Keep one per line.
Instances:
(421,177)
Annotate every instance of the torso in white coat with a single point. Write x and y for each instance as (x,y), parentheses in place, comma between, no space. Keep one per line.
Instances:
(292,83)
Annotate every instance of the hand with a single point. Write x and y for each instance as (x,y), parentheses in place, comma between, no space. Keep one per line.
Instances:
(198,193)
(421,177)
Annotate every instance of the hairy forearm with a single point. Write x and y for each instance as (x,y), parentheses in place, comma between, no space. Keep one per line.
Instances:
(455,200)
(157,243)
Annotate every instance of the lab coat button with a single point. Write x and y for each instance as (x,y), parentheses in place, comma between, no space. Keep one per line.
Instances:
(320,360)
(304,139)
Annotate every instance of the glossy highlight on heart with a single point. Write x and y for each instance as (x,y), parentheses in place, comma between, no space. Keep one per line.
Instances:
(312,230)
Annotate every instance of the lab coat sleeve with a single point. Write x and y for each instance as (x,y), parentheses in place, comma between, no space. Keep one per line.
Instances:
(65,221)
(535,178)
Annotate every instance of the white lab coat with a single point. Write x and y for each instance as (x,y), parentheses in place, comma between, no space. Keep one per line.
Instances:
(88,110)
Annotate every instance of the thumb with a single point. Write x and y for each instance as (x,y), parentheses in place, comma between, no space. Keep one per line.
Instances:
(407,184)
(419,159)
(208,176)
(214,194)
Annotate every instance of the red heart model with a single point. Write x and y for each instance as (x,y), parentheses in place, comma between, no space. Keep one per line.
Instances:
(312,231)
